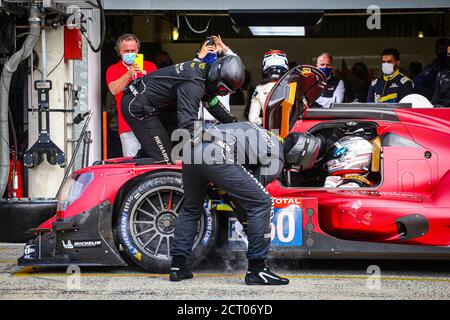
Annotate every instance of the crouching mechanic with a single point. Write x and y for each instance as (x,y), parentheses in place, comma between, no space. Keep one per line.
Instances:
(182,86)
(241,159)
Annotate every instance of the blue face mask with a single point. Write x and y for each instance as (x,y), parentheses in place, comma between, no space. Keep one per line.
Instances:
(210,58)
(129,58)
(326,71)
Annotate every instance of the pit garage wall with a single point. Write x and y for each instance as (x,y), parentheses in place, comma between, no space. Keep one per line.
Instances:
(87,74)
(45,179)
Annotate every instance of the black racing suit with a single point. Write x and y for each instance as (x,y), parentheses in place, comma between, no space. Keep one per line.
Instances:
(244,159)
(424,82)
(181,86)
(441,96)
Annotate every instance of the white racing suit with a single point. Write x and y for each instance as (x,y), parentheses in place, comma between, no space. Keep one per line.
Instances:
(259,97)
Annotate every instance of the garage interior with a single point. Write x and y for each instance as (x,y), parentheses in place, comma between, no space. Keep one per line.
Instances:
(178,27)
(343,33)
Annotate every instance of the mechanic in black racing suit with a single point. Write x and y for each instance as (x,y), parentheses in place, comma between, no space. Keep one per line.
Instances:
(241,159)
(183,86)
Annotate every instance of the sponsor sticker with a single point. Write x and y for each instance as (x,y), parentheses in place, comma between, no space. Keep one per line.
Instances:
(209,227)
(306,71)
(123,230)
(80,244)
(29,249)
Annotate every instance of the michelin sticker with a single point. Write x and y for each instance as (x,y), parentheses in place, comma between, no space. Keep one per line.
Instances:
(209,226)
(79,244)
(126,239)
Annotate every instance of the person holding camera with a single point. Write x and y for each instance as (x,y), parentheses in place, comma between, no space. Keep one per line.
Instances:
(118,76)
(212,48)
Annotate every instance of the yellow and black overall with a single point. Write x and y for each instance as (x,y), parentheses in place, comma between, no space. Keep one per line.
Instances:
(390,89)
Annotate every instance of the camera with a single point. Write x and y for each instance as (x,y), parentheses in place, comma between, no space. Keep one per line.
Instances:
(210,41)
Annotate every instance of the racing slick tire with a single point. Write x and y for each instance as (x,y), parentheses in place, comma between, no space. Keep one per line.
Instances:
(146,223)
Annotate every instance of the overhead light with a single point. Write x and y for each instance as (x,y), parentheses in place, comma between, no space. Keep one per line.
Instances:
(420,34)
(288,18)
(278,31)
(175,34)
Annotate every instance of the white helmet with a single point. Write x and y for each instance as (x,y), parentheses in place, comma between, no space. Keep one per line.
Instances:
(351,155)
(275,64)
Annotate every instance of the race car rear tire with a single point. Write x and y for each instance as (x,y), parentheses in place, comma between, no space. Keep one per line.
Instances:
(147,218)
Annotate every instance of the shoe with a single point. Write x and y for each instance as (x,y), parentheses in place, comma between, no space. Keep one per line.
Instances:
(264,277)
(179,270)
(178,274)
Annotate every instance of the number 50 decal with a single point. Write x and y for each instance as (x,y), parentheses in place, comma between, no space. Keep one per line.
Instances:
(287,226)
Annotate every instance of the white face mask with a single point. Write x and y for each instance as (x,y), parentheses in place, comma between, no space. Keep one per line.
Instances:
(387,68)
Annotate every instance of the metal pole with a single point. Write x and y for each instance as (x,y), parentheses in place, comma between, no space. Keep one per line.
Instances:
(44,52)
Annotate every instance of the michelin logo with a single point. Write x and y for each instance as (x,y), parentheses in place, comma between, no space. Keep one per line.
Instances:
(127,242)
(81,244)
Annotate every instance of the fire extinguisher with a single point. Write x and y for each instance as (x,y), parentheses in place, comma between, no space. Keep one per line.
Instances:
(15,180)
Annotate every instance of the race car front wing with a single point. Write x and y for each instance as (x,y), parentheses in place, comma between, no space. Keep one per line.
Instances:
(84,240)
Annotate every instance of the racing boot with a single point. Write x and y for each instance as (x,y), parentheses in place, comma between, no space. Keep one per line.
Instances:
(178,269)
(259,274)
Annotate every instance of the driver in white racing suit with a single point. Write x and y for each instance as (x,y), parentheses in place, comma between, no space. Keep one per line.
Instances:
(350,163)
(275,64)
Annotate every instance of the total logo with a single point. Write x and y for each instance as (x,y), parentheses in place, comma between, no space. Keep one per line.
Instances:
(285,201)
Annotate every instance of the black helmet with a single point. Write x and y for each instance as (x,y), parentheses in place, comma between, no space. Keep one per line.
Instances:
(226,75)
(302,150)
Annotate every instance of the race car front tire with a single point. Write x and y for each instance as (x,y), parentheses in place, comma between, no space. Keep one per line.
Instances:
(147,218)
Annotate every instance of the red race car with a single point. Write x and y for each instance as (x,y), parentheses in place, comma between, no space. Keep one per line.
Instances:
(123,211)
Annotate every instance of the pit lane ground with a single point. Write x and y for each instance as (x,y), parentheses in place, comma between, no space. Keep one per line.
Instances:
(320,279)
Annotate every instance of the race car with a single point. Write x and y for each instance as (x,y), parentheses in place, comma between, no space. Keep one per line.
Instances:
(123,211)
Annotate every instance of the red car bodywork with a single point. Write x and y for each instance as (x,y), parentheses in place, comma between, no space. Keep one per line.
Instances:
(407,214)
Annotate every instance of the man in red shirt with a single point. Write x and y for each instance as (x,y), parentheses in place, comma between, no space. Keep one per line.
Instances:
(118,76)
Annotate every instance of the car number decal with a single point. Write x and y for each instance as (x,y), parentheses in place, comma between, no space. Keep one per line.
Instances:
(287,226)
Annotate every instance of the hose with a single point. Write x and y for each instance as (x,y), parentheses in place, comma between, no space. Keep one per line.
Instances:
(102,30)
(5,83)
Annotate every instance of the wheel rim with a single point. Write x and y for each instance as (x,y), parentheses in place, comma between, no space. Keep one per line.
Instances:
(152,221)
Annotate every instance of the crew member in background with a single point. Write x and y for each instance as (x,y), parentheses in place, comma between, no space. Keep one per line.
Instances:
(425,81)
(275,64)
(334,91)
(441,95)
(393,85)
(118,76)
(211,49)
